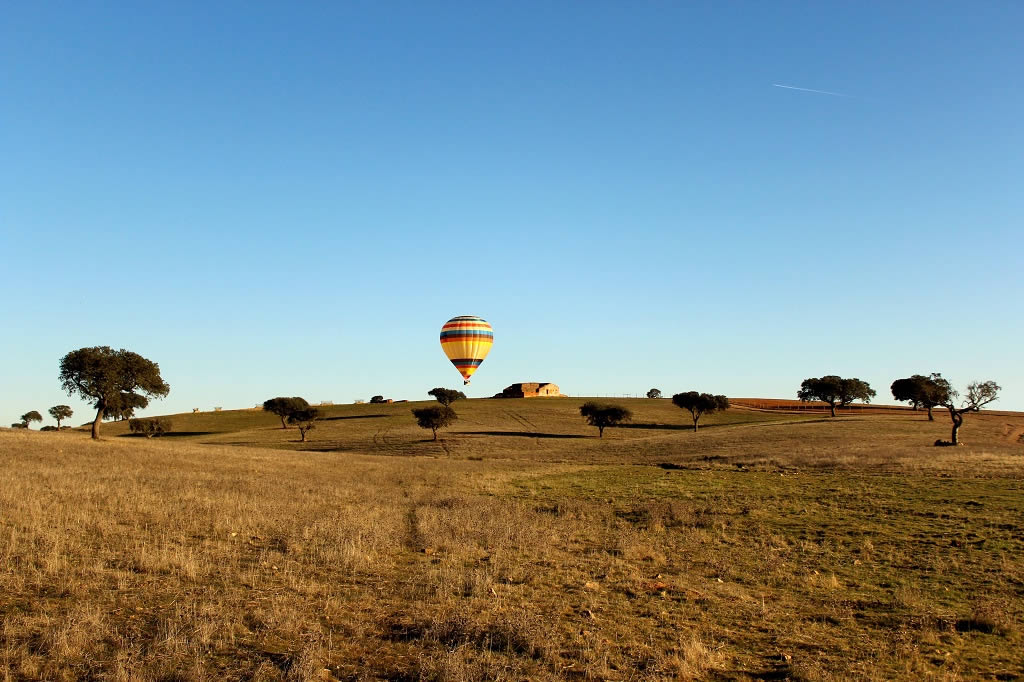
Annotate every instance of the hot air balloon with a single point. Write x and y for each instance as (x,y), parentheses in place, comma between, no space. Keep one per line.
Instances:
(466,340)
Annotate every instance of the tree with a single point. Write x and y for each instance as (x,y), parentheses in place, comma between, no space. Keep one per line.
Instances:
(446,396)
(835,391)
(30,417)
(922,391)
(305,420)
(434,418)
(700,404)
(285,407)
(978,395)
(376,399)
(60,413)
(654,393)
(108,378)
(602,415)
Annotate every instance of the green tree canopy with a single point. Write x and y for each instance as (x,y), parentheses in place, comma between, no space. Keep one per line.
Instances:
(111,379)
(434,418)
(285,407)
(922,391)
(376,399)
(124,406)
(700,404)
(654,393)
(446,396)
(604,415)
(30,417)
(834,390)
(60,413)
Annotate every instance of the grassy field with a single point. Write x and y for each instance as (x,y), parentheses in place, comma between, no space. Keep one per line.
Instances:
(518,546)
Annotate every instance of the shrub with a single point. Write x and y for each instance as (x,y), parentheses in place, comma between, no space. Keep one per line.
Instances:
(155,426)
(49,428)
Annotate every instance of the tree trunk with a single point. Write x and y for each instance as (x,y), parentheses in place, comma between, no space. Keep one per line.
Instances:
(435,432)
(302,435)
(931,417)
(832,407)
(695,423)
(283,425)
(958,420)
(600,431)
(97,421)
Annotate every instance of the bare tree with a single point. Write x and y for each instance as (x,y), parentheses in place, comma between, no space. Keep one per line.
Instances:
(979,394)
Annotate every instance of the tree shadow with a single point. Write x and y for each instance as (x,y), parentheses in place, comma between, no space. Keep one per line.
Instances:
(663,427)
(672,427)
(172,434)
(519,434)
(354,416)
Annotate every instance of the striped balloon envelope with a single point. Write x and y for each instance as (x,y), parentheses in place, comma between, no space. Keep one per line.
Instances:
(466,340)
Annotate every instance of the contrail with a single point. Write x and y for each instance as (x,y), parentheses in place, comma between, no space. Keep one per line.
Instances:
(820,92)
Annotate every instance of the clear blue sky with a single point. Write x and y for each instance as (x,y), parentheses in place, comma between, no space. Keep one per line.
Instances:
(291,198)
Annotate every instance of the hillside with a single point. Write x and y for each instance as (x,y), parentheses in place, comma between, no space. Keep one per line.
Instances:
(519,547)
(552,430)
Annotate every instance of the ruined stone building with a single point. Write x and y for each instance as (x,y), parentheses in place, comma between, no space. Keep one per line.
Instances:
(531,389)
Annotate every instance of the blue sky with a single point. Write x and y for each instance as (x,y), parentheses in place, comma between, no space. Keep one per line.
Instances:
(290,199)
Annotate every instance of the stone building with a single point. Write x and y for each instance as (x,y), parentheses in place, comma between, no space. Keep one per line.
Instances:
(531,389)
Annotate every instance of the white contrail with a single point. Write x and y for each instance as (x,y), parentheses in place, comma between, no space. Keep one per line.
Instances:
(820,92)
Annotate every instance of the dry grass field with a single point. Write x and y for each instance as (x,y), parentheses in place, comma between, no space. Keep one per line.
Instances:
(519,546)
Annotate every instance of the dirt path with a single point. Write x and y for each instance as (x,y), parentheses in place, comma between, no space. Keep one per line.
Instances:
(1014,433)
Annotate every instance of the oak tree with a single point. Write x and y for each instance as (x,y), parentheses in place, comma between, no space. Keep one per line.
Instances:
(836,391)
(604,415)
(922,391)
(111,380)
(60,413)
(654,393)
(305,420)
(285,407)
(700,404)
(446,396)
(30,417)
(434,418)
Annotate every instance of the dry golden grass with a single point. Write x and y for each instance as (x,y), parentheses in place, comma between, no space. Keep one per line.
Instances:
(785,548)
